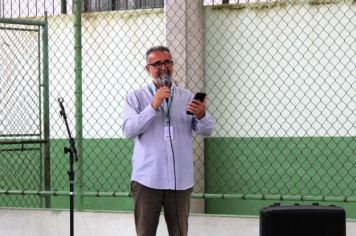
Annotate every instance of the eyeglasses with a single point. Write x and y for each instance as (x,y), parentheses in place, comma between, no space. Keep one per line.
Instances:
(158,64)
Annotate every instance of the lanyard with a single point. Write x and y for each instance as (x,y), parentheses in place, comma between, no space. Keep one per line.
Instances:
(170,102)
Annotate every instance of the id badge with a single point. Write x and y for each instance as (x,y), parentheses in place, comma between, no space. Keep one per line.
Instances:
(168,133)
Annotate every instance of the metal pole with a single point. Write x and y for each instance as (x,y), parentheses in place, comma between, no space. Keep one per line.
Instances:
(46,131)
(18,21)
(78,96)
(64,6)
(72,157)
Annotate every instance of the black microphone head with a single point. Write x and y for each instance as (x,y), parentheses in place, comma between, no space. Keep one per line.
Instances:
(165,80)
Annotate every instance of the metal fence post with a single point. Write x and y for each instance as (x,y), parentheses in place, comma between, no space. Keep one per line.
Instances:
(78,98)
(46,131)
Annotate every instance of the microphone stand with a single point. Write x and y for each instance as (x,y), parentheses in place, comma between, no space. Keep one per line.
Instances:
(72,157)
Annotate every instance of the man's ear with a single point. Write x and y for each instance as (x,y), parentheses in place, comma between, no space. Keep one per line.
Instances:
(147,67)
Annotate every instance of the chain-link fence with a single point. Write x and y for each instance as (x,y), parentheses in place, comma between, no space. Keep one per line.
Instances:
(24,152)
(280,78)
(284,99)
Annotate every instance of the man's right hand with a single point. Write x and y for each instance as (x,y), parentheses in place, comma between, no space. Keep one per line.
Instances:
(161,94)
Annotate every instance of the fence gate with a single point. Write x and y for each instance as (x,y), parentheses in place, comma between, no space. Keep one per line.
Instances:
(24,113)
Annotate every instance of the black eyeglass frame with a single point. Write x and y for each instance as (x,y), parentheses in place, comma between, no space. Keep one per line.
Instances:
(158,64)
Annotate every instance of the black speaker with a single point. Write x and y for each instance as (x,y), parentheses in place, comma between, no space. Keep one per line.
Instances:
(300,220)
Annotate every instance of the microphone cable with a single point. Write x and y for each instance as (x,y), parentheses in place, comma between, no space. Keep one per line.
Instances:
(174,169)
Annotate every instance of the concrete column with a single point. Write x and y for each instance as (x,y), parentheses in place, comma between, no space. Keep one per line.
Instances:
(185,39)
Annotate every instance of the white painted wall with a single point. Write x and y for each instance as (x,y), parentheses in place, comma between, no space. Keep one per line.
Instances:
(299,83)
(114,47)
(19,81)
(286,70)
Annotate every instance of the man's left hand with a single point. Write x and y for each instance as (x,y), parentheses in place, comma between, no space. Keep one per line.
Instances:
(197,108)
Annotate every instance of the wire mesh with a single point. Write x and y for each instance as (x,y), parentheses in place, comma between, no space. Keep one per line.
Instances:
(20,89)
(20,81)
(20,169)
(280,79)
(284,98)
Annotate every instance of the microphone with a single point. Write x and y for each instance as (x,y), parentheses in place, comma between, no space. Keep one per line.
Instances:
(165,82)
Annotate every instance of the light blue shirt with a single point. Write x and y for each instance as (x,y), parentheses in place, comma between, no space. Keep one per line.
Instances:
(152,161)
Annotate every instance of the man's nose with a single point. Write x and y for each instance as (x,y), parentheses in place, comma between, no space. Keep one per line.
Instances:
(163,66)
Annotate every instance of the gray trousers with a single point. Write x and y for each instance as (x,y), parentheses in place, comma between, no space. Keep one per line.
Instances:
(148,203)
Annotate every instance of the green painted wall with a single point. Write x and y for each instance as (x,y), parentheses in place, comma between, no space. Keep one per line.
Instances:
(287,166)
(312,166)
(106,165)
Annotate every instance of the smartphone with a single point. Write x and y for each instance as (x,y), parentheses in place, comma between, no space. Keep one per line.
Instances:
(198,96)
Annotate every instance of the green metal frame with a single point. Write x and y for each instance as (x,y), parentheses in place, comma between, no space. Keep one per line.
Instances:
(44,140)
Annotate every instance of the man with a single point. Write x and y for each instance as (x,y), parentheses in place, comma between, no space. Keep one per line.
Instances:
(162,164)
